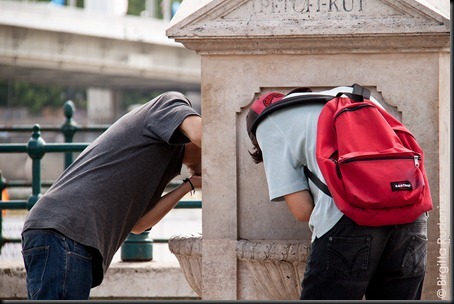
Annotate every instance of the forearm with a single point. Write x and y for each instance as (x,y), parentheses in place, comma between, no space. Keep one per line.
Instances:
(164,205)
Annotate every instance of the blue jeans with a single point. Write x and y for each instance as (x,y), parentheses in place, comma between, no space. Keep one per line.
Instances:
(350,262)
(57,267)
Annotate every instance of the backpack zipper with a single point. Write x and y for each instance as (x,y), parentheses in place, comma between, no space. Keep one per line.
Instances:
(416,160)
(356,107)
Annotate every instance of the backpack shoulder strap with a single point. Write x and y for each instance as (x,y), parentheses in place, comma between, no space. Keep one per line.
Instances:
(360,90)
(322,186)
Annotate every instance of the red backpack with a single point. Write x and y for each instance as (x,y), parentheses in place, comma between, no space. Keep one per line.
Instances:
(372,164)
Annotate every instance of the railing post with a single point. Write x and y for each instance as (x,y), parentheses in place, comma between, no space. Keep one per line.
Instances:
(2,187)
(2,184)
(137,248)
(69,128)
(35,149)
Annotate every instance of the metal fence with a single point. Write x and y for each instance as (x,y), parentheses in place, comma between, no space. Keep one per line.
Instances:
(136,247)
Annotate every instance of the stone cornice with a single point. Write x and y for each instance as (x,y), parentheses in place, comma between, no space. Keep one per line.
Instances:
(246,18)
(439,42)
(311,26)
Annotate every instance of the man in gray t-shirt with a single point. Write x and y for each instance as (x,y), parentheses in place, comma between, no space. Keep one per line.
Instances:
(114,187)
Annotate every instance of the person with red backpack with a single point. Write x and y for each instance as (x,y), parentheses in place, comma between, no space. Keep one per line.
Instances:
(347,261)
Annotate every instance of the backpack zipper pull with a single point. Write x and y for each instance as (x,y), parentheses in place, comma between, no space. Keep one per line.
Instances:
(416,158)
(339,174)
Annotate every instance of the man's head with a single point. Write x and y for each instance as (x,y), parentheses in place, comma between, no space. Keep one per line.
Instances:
(254,117)
(256,110)
(261,107)
(193,158)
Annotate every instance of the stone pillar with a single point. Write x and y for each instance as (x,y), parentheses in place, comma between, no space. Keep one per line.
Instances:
(398,49)
(101,105)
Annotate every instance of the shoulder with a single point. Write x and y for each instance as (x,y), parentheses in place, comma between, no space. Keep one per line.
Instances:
(291,116)
(173,96)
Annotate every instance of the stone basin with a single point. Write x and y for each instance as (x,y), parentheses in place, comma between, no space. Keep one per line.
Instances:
(277,266)
(188,250)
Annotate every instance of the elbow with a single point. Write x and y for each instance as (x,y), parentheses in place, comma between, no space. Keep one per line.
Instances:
(138,229)
(300,205)
(302,217)
(196,139)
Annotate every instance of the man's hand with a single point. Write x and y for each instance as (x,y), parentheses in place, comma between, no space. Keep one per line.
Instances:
(196,181)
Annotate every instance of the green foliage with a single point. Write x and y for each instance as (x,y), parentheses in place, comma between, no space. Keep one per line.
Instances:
(3,94)
(135,7)
(130,97)
(36,97)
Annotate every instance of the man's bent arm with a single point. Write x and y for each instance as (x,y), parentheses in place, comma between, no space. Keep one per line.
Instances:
(165,204)
(192,128)
(300,204)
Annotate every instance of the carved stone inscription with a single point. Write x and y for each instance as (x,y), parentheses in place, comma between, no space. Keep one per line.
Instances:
(308,6)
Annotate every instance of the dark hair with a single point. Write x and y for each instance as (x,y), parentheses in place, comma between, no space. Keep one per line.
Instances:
(256,154)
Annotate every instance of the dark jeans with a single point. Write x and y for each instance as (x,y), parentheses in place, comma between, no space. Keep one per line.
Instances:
(379,263)
(57,267)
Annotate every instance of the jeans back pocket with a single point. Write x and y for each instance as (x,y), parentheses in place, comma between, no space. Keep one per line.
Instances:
(35,260)
(348,257)
(414,262)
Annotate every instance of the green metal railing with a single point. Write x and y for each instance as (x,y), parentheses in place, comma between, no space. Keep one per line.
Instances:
(136,247)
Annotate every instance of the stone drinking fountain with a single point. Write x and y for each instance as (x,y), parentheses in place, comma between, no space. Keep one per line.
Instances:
(253,249)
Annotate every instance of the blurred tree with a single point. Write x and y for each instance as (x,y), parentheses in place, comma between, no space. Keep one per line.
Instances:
(130,97)
(135,7)
(3,94)
(35,97)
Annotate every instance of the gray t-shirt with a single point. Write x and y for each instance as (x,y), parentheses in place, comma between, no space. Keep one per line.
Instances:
(117,178)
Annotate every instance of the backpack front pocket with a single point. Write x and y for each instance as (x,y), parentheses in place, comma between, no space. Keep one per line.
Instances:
(382,181)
